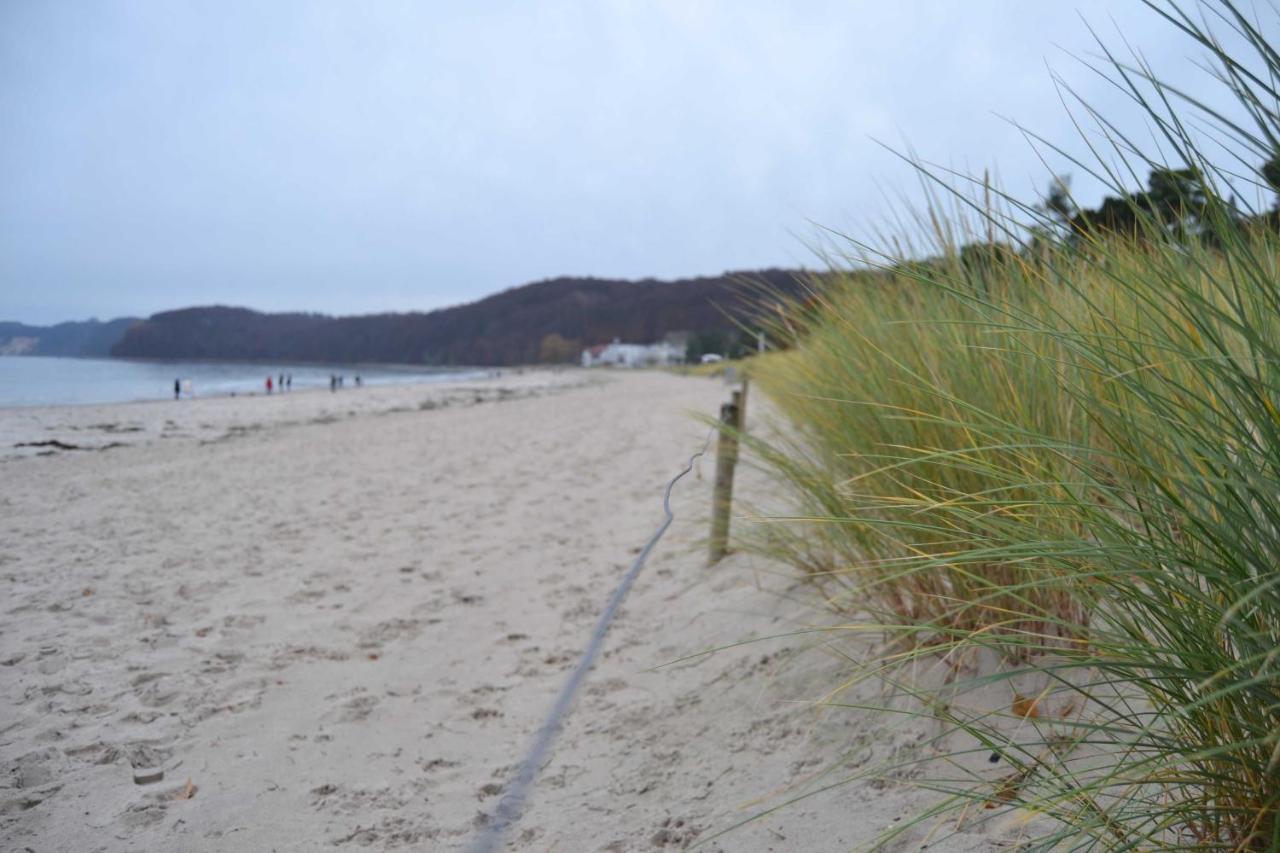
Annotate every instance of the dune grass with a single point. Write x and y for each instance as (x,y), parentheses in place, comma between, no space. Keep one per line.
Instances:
(1065,461)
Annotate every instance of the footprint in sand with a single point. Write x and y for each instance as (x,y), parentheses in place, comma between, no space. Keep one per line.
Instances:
(331,797)
(303,596)
(355,709)
(38,768)
(154,689)
(142,815)
(674,832)
(231,699)
(385,632)
(605,687)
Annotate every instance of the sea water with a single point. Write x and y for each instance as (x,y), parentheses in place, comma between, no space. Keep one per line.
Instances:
(43,381)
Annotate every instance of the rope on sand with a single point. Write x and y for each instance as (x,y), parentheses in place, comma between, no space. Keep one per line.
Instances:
(512,803)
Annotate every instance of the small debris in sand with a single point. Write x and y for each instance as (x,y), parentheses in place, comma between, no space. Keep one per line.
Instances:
(186,792)
(1008,789)
(53,442)
(1026,706)
(147,775)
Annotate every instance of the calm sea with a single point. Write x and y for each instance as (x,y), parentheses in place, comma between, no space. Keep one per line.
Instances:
(39,381)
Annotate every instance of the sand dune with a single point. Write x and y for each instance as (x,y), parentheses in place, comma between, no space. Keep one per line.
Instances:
(340,618)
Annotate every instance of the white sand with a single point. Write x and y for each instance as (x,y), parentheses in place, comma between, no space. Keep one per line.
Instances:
(342,617)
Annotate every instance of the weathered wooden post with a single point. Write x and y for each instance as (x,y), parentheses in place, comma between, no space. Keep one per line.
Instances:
(722,496)
(742,403)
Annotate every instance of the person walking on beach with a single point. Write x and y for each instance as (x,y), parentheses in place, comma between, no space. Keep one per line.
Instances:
(177,389)
(281,383)
(289,382)
(268,384)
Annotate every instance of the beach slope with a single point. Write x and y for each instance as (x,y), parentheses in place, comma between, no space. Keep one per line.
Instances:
(314,622)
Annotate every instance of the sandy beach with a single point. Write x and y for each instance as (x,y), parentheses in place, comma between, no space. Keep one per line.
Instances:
(337,620)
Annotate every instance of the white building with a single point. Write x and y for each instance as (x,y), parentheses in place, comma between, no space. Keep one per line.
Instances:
(618,354)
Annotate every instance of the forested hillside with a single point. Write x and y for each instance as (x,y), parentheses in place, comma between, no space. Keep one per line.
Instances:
(86,338)
(545,321)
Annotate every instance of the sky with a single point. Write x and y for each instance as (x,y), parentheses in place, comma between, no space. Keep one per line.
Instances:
(393,156)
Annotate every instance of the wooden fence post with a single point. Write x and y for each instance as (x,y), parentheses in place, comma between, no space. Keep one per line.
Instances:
(722,496)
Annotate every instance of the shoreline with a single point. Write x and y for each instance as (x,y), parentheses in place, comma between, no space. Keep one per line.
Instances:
(107,426)
(286,364)
(404,375)
(452,379)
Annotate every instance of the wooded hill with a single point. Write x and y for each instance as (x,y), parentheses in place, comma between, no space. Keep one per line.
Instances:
(83,339)
(545,321)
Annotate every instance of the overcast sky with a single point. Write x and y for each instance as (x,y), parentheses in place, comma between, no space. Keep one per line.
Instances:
(359,157)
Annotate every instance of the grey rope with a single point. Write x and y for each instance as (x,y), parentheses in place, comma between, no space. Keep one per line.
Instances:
(512,803)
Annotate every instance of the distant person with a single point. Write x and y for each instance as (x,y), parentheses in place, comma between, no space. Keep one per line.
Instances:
(177,389)
(289,382)
(359,381)
(268,384)
(280,385)
(333,382)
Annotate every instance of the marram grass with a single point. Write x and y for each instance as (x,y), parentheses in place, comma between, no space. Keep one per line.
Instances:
(1061,468)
